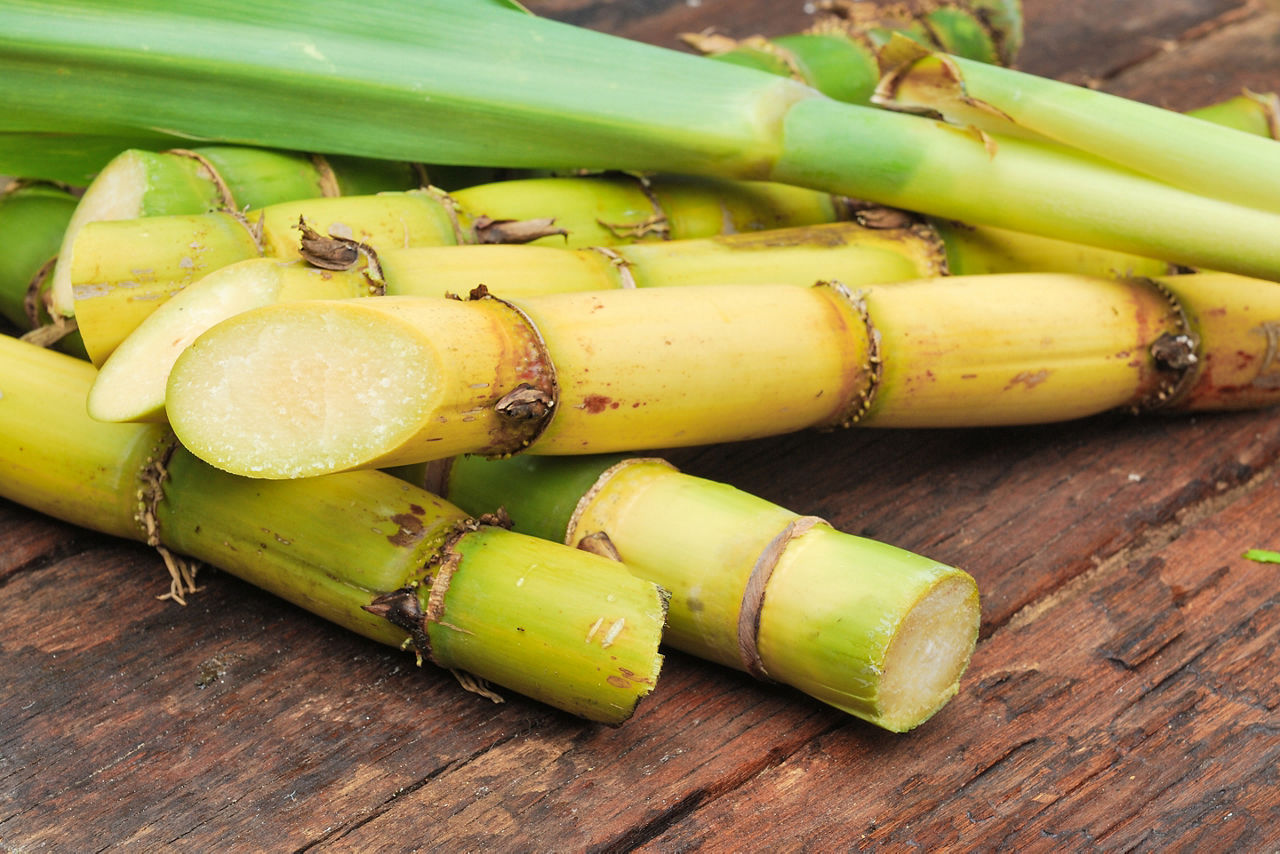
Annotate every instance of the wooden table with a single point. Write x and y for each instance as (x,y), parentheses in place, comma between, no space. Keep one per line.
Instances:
(1123,696)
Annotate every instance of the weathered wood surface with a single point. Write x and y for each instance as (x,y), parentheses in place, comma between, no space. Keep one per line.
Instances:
(1124,694)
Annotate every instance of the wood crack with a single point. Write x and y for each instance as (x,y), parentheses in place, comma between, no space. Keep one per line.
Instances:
(1205,29)
(1145,545)
(702,796)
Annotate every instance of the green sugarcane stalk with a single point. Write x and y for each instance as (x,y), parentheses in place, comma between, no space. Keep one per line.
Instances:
(1256,113)
(424,82)
(33,218)
(1000,100)
(301,388)
(873,630)
(838,54)
(365,550)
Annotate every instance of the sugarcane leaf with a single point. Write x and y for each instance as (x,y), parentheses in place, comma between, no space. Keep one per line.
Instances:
(1262,556)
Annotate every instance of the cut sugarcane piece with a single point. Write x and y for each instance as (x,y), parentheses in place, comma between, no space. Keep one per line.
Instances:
(131,385)
(114,293)
(1001,100)
(873,630)
(302,388)
(423,82)
(122,270)
(363,549)
(140,183)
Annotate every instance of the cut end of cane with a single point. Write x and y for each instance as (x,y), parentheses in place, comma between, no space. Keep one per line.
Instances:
(116,193)
(131,384)
(300,389)
(929,653)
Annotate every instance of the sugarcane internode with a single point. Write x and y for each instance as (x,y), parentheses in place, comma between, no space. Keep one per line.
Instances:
(878,632)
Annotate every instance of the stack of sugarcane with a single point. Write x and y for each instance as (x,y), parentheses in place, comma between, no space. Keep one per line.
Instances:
(295,346)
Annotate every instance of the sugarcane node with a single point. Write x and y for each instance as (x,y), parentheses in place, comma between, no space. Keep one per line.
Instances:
(44,333)
(327,253)
(881,218)
(861,400)
(524,403)
(226,197)
(327,179)
(499,518)
(626,278)
(518,231)
(709,42)
(598,543)
(403,609)
(753,594)
(151,478)
(656,224)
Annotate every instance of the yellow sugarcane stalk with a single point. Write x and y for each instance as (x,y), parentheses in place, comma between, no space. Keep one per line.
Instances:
(301,388)
(365,550)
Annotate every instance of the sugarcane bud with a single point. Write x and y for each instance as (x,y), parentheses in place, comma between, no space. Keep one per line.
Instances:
(1175,352)
(525,403)
(489,230)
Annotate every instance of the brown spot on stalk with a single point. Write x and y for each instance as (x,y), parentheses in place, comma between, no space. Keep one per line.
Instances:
(618,682)
(596,403)
(409,530)
(1030,379)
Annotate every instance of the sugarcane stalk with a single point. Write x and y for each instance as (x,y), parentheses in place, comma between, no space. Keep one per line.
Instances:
(423,82)
(123,270)
(141,183)
(1002,100)
(837,55)
(131,385)
(300,388)
(873,630)
(33,218)
(365,550)
(1256,113)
